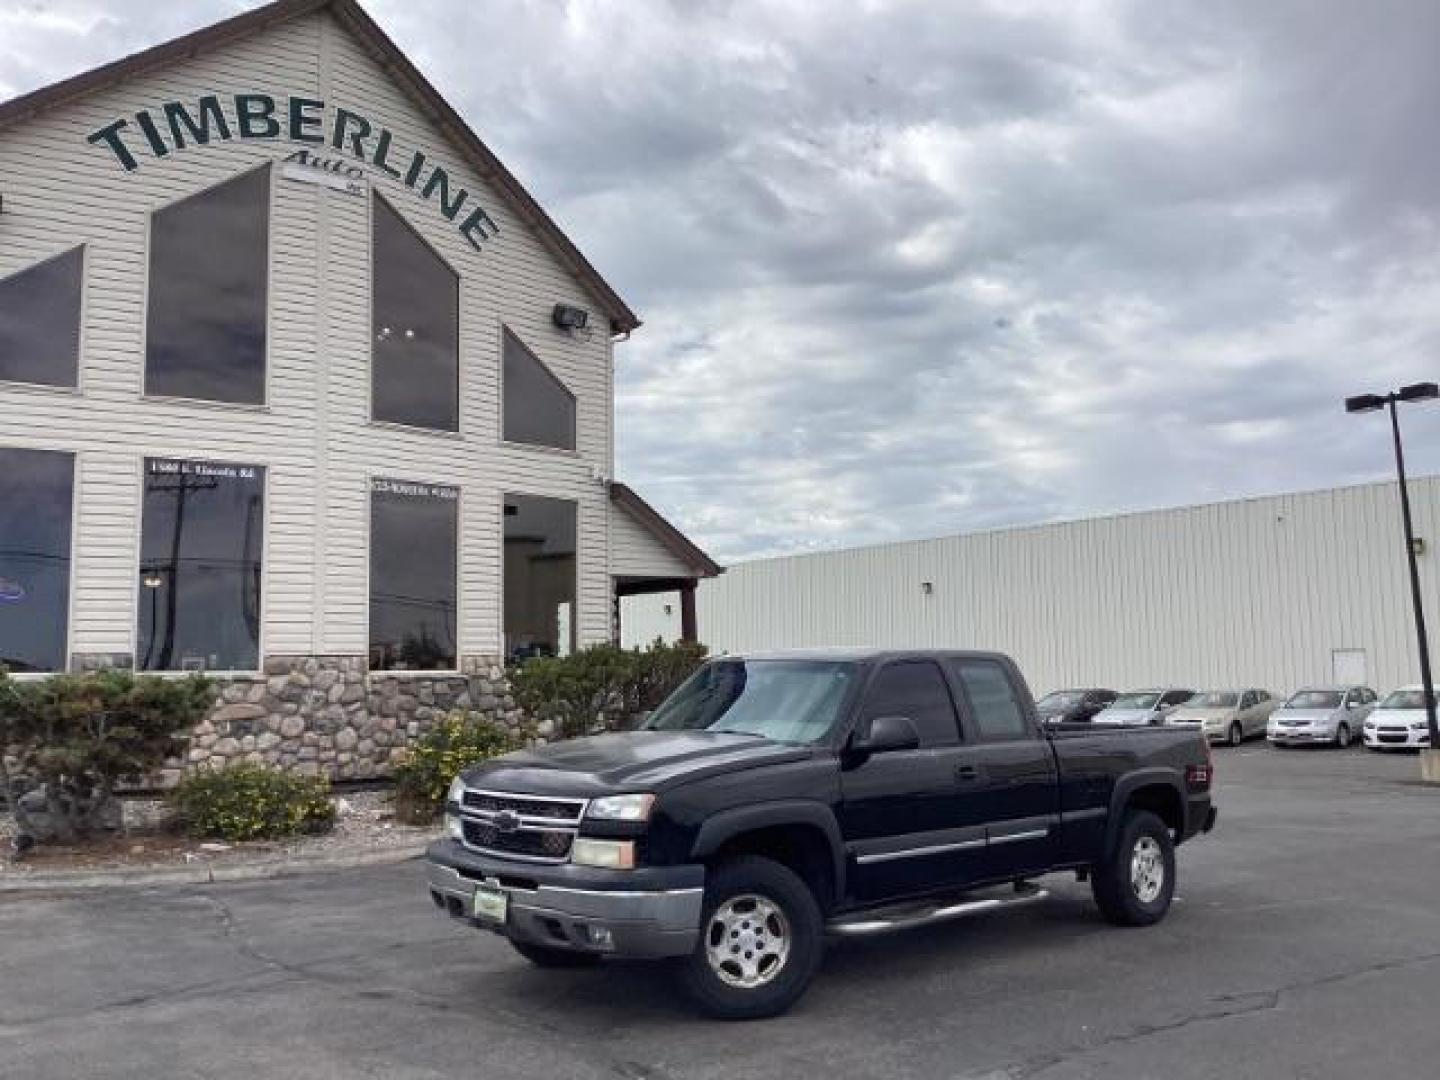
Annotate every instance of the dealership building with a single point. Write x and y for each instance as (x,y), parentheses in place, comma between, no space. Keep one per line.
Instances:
(299,387)
(1277,593)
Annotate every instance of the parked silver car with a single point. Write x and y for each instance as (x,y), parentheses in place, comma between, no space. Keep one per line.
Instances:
(1141,708)
(1228,716)
(1332,715)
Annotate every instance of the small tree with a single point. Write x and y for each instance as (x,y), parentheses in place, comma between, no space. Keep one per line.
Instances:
(66,742)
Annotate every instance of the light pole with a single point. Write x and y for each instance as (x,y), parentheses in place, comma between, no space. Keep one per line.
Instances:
(1426,391)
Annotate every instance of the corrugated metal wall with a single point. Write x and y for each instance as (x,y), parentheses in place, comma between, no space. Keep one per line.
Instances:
(1257,592)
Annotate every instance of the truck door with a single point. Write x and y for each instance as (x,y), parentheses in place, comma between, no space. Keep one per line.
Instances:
(1023,791)
(905,826)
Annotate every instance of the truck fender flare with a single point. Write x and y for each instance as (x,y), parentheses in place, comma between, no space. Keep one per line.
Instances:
(1155,776)
(729,824)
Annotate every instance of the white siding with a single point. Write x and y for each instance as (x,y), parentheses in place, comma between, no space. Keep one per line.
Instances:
(1257,592)
(314,436)
(649,616)
(634,551)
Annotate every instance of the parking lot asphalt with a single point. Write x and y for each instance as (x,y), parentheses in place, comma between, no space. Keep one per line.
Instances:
(1305,943)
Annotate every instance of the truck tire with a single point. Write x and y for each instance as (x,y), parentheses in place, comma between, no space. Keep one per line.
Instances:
(761,939)
(1133,886)
(543,956)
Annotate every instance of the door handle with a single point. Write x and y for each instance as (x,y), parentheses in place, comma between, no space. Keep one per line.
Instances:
(968,774)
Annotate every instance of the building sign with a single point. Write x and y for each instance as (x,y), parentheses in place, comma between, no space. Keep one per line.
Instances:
(332,173)
(209,470)
(177,125)
(381,486)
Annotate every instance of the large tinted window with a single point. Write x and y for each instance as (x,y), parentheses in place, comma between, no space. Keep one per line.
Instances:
(201,541)
(40,321)
(539,576)
(538,408)
(35,500)
(205,331)
(993,702)
(413,529)
(416,327)
(915,689)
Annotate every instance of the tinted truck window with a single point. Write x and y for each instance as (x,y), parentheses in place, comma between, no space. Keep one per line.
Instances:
(997,711)
(915,689)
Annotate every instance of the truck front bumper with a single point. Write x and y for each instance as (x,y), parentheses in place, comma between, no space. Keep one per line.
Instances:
(647,913)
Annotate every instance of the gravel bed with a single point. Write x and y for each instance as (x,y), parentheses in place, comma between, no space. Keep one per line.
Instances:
(364,822)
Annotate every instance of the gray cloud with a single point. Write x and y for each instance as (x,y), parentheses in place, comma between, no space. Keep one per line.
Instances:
(914,268)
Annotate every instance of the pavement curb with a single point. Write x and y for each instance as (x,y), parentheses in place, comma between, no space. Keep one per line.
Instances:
(207,874)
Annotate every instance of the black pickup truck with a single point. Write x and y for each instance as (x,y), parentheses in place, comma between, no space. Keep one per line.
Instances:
(777,798)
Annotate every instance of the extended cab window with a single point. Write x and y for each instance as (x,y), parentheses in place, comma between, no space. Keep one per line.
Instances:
(993,703)
(915,689)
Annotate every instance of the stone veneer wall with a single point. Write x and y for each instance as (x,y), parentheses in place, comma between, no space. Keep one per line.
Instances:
(329,715)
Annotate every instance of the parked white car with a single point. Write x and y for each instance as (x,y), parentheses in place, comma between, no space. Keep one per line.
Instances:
(1398,722)
(1141,708)
(1330,715)
(1228,716)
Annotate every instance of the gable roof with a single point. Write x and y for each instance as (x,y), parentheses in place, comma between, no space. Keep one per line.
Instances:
(671,538)
(436,109)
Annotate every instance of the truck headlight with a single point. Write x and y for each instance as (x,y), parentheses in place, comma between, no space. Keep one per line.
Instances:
(621,808)
(607,854)
(454,827)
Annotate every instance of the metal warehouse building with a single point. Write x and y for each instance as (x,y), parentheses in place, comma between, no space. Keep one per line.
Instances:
(299,386)
(1275,592)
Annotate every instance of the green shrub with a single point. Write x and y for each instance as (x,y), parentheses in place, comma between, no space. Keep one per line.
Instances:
(71,739)
(602,687)
(253,802)
(424,775)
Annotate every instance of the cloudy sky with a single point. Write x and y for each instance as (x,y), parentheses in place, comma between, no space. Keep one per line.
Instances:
(910,269)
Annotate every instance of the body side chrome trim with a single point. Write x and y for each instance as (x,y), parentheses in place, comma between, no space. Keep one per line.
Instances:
(911,853)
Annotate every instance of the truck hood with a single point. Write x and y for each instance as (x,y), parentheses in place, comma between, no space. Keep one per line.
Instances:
(633,761)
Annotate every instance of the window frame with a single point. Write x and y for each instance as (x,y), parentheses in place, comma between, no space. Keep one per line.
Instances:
(78,388)
(459,431)
(973,728)
(75,456)
(371,475)
(138,554)
(863,716)
(508,331)
(502,649)
(243,406)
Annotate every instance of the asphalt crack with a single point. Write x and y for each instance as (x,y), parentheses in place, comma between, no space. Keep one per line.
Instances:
(1219,1009)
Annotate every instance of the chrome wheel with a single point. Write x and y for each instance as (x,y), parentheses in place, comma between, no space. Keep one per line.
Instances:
(1342,737)
(1237,735)
(747,941)
(1147,869)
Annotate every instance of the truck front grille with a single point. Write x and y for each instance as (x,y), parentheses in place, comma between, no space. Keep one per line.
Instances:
(529,828)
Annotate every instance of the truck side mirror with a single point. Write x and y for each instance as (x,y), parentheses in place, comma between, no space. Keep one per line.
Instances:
(886,734)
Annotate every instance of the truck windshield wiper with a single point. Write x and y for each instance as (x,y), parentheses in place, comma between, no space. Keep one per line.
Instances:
(734,731)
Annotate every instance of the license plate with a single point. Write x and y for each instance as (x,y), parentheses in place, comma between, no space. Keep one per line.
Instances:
(491,903)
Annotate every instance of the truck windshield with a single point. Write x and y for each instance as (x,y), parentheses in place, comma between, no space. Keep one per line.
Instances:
(789,701)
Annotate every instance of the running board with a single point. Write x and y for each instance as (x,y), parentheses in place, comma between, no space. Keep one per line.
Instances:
(879,922)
